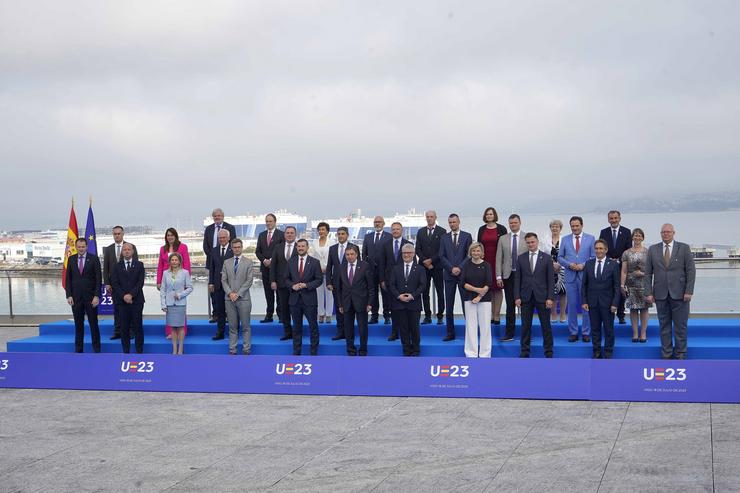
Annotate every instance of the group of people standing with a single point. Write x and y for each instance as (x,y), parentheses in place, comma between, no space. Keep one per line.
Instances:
(316,280)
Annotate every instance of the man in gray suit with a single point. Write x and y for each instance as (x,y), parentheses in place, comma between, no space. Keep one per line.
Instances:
(236,278)
(671,272)
(506,265)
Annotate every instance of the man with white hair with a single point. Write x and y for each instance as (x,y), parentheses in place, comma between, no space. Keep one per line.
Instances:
(406,284)
(428,242)
(210,239)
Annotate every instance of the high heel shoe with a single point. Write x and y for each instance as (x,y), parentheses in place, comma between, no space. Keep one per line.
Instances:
(635,339)
(643,340)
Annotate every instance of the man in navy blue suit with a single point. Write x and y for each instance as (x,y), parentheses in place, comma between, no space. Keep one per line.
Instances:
(600,295)
(427,250)
(354,291)
(406,284)
(303,277)
(127,280)
(372,248)
(618,239)
(453,254)
(220,253)
(210,240)
(333,266)
(389,258)
(82,286)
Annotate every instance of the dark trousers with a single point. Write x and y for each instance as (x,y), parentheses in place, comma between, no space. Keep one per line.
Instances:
(341,332)
(375,301)
(510,307)
(451,288)
(284,310)
(436,276)
(544,315)
(132,324)
(673,316)
(218,301)
(406,324)
(79,310)
(350,315)
(599,317)
(269,294)
(298,311)
(116,320)
(620,306)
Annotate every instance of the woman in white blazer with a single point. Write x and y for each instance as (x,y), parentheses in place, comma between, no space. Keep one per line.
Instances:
(176,286)
(320,249)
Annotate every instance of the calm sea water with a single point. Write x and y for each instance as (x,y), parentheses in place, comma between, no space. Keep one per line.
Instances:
(717,286)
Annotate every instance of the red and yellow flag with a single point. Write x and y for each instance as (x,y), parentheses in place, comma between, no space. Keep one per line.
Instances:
(70,249)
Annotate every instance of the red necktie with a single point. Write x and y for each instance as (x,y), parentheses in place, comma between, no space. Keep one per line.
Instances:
(578,243)
(269,237)
(351,273)
(300,268)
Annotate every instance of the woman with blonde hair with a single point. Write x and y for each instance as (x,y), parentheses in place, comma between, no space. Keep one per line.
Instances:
(174,290)
(476,280)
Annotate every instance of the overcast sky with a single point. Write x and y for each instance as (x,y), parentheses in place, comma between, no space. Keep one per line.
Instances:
(163,110)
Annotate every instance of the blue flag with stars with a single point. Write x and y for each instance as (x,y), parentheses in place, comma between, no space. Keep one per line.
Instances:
(92,245)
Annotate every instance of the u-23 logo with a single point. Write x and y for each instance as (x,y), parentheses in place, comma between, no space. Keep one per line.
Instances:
(452,371)
(137,366)
(293,368)
(4,363)
(664,374)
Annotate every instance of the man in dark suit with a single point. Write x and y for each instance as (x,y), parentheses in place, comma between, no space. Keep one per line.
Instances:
(618,239)
(303,277)
(220,253)
(427,250)
(600,295)
(128,291)
(210,239)
(453,254)
(406,284)
(281,254)
(82,286)
(372,248)
(335,264)
(534,284)
(111,256)
(670,274)
(266,242)
(355,290)
(390,257)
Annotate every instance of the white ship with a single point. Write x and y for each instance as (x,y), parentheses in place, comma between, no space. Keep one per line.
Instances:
(359,225)
(251,225)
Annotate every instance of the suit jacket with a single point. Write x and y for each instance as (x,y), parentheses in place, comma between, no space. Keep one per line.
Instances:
(427,246)
(567,255)
(240,281)
(540,283)
(83,286)
(265,251)
(182,285)
(624,241)
(208,238)
(359,294)
(504,255)
(674,281)
(334,264)
(451,256)
(414,285)
(217,264)
(604,291)
(128,282)
(312,277)
(110,260)
(371,252)
(279,264)
(387,261)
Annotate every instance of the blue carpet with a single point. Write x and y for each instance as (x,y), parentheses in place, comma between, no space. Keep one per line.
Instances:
(708,339)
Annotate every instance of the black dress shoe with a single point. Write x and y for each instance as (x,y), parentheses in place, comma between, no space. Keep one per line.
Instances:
(524,355)
(337,337)
(286,337)
(115,336)
(314,352)
(448,338)
(217,337)
(622,321)
(393,337)
(212,320)
(440,321)
(596,356)
(362,353)
(387,321)
(548,355)
(496,322)
(427,320)
(572,338)
(373,320)
(607,355)
(586,339)
(266,320)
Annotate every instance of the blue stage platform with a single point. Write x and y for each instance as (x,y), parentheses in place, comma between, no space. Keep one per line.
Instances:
(709,338)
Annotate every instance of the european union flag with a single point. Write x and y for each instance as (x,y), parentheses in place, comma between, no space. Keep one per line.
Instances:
(92,246)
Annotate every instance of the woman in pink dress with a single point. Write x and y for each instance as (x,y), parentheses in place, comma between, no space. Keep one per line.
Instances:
(172,244)
(488,235)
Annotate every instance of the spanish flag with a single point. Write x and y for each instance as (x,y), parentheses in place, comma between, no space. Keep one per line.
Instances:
(70,249)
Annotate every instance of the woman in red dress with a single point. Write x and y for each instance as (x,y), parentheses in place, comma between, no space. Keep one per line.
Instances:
(172,244)
(488,235)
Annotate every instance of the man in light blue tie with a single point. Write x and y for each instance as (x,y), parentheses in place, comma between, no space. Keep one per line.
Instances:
(390,258)
(236,277)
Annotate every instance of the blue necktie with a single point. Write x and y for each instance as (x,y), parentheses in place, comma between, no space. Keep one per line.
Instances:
(395,251)
(598,271)
(236,264)
(514,251)
(614,238)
